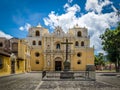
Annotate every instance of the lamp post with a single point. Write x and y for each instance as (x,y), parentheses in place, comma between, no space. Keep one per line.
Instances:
(13,59)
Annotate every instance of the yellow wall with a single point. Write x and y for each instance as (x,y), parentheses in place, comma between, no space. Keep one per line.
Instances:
(6,70)
(23,49)
(21,68)
(86,58)
(40,58)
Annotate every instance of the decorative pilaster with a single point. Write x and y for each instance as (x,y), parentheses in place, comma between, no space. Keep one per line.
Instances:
(71,59)
(52,63)
(45,66)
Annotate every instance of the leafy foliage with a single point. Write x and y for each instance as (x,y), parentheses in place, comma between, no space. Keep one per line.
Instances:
(111,44)
(99,60)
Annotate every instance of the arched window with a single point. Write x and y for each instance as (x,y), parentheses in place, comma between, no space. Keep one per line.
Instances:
(39,43)
(79,62)
(1,44)
(76,43)
(79,54)
(82,43)
(79,34)
(57,46)
(34,42)
(37,33)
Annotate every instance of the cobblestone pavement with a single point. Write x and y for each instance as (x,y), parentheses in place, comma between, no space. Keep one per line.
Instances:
(76,85)
(33,81)
(110,78)
(28,81)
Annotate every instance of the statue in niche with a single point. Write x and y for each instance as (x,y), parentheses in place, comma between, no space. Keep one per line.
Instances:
(48,46)
(58,32)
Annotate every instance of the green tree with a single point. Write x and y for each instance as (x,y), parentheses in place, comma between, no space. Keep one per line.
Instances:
(99,60)
(111,44)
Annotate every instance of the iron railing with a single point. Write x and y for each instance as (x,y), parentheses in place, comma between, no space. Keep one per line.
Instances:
(77,75)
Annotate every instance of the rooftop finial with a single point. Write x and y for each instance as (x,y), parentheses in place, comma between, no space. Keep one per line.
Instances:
(76,26)
(38,25)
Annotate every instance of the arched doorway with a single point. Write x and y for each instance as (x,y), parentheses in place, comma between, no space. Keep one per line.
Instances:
(12,67)
(13,60)
(58,64)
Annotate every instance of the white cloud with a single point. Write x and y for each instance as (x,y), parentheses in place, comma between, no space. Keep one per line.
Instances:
(74,8)
(114,8)
(2,34)
(25,27)
(70,1)
(66,5)
(96,6)
(64,20)
(96,23)
(21,28)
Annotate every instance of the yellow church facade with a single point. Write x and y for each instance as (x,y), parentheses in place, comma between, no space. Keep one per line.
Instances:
(48,53)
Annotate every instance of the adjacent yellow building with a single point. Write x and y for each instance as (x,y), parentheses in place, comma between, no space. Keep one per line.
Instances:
(47,53)
(4,63)
(10,63)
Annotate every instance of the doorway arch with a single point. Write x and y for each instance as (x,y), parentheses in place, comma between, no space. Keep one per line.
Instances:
(58,64)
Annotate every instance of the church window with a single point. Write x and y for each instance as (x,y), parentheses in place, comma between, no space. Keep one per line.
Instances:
(37,62)
(37,54)
(1,63)
(1,44)
(58,46)
(40,43)
(37,33)
(34,42)
(79,34)
(79,54)
(82,43)
(76,43)
(79,62)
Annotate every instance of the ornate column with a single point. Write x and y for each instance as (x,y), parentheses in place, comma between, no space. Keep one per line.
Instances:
(45,66)
(52,63)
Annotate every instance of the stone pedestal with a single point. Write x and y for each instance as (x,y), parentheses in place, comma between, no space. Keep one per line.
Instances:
(67,65)
(66,75)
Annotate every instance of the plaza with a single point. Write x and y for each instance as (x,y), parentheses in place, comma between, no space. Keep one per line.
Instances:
(33,81)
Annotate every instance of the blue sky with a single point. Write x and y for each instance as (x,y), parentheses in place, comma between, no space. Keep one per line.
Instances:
(16,13)
(17,16)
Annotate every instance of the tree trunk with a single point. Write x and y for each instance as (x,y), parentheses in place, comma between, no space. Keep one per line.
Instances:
(116,67)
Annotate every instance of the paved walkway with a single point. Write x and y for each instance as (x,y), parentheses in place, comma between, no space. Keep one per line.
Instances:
(28,81)
(33,81)
(75,85)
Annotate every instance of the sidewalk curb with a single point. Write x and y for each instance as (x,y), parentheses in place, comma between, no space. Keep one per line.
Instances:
(11,75)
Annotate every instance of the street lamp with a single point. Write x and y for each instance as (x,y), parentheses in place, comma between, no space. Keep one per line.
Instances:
(13,57)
